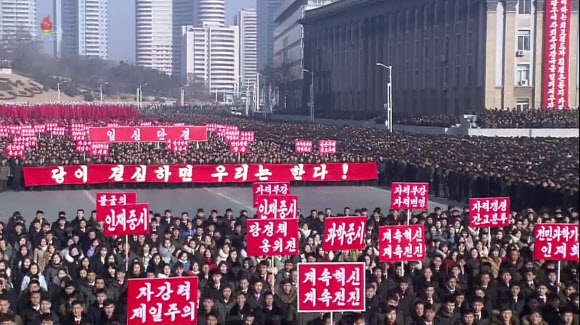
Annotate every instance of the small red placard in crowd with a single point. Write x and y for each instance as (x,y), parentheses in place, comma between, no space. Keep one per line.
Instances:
(556,242)
(401,243)
(489,212)
(272,237)
(269,189)
(15,150)
(409,196)
(162,301)
(130,219)
(277,207)
(99,150)
(116,199)
(302,146)
(247,136)
(326,287)
(347,233)
(327,147)
(237,146)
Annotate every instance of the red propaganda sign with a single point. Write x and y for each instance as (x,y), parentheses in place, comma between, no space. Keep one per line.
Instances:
(556,242)
(28,132)
(238,146)
(99,150)
(162,301)
(326,147)
(326,287)
(15,150)
(177,145)
(273,237)
(83,146)
(341,234)
(130,219)
(302,146)
(401,243)
(556,54)
(116,199)
(244,173)
(489,212)
(28,142)
(147,133)
(39,128)
(409,196)
(277,207)
(247,136)
(271,188)
(58,131)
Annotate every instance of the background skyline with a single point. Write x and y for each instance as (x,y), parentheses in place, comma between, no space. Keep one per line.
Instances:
(121,23)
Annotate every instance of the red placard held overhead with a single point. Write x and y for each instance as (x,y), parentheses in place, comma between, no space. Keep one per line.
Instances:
(162,301)
(401,243)
(327,147)
(147,133)
(489,212)
(277,207)
(273,237)
(237,146)
(409,196)
(269,189)
(341,234)
(556,242)
(116,199)
(302,146)
(331,287)
(131,219)
(99,150)
(247,136)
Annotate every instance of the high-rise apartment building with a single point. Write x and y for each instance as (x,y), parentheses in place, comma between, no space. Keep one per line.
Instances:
(184,14)
(154,34)
(211,12)
(266,25)
(246,21)
(81,28)
(17,19)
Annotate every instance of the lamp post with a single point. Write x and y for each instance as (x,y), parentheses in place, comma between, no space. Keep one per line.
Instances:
(389,103)
(58,89)
(101,91)
(311,94)
(141,94)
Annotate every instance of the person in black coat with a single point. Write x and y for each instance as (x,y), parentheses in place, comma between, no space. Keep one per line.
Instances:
(270,312)
(77,316)
(239,311)
(447,314)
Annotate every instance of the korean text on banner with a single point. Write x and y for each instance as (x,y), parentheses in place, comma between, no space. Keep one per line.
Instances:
(162,301)
(131,219)
(401,243)
(341,234)
(556,242)
(147,133)
(326,287)
(269,188)
(272,237)
(489,212)
(409,196)
(277,207)
(113,200)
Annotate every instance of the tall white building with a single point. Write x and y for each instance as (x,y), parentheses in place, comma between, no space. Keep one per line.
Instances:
(17,19)
(246,20)
(211,12)
(184,14)
(81,26)
(210,56)
(154,34)
(266,25)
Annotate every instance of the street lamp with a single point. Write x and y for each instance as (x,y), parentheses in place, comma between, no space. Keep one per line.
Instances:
(389,103)
(101,91)
(58,89)
(141,94)
(311,94)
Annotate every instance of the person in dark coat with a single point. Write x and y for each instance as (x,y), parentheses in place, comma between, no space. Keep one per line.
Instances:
(447,314)
(239,311)
(270,312)
(77,316)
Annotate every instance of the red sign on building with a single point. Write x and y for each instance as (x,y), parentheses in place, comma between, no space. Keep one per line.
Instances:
(162,301)
(277,207)
(489,212)
(131,219)
(269,189)
(341,234)
(409,196)
(556,242)
(273,237)
(401,243)
(326,287)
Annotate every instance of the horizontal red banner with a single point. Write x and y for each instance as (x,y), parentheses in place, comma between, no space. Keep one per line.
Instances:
(147,133)
(103,174)
(556,242)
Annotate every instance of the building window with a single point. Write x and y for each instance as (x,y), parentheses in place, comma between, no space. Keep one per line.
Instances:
(523,104)
(457,75)
(523,40)
(426,48)
(525,7)
(447,46)
(458,45)
(523,74)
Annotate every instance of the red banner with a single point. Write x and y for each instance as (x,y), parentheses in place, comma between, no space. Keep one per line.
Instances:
(247,136)
(302,146)
(162,301)
(130,219)
(342,234)
(116,199)
(273,237)
(177,145)
(28,142)
(237,146)
(271,188)
(401,243)
(327,147)
(103,174)
(99,150)
(83,146)
(489,212)
(409,196)
(556,242)
(15,150)
(556,54)
(326,287)
(147,133)
(277,207)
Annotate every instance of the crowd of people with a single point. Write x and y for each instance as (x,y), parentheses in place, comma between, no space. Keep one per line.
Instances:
(66,272)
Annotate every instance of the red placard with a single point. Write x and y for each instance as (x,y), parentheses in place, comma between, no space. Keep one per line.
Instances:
(162,301)
(556,242)
(177,145)
(489,212)
(401,243)
(327,147)
(15,151)
(116,199)
(28,142)
(99,150)
(326,287)
(302,146)
(409,196)
(83,146)
(103,174)
(247,136)
(147,133)
(277,207)
(341,234)
(269,188)
(237,146)
(556,54)
(272,237)
(130,219)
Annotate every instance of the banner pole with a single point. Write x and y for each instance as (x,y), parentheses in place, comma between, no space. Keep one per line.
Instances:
(127,253)
(559,265)
(489,237)
(331,319)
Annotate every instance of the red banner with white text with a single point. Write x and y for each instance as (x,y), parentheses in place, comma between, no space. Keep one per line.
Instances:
(244,173)
(342,234)
(409,196)
(277,207)
(269,188)
(272,237)
(489,212)
(116,199)
(130,219)
(401,243)
(147,133)
(556,242)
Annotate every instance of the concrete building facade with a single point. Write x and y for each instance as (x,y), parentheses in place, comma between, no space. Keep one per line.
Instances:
(17,19)
(154,34)
(266,25)
(184,14)
(447,56)
(247,23)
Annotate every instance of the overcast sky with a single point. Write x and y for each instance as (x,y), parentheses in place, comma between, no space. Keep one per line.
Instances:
(122,24)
